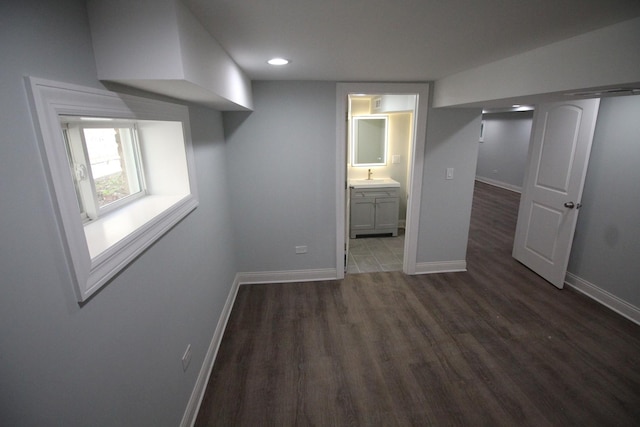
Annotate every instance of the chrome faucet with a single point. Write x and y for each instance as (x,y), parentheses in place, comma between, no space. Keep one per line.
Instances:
(369,175)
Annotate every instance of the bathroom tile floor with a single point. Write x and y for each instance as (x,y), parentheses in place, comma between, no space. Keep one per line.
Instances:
(370,254)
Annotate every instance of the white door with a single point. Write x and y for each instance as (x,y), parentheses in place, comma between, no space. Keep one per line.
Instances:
(558,156)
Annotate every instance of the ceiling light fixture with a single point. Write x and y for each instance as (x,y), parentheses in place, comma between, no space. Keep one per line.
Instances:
(278,61)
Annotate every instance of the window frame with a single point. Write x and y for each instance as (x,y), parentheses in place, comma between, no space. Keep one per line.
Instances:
(79,155)
(90,272)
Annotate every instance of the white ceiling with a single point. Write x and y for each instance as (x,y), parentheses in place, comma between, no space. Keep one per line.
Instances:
(393,40)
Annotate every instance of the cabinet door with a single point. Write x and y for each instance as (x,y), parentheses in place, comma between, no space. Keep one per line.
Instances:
(386,215)
(363,213)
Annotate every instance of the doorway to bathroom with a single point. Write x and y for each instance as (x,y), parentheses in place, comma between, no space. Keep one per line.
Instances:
(381,131)
(379,140)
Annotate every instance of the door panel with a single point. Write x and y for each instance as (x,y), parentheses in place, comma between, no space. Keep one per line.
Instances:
(546,220)
(558,149)
(558,156)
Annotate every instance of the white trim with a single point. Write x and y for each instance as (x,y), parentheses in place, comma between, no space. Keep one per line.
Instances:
(49,100)
(193,406)
(415,171)
(500,184)
(287,276)
(605,298)
(441,267)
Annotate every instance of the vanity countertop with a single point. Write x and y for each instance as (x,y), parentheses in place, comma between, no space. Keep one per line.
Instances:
(374,183)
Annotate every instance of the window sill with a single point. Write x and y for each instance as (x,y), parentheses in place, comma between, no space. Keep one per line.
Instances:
(118,238)
(108,231)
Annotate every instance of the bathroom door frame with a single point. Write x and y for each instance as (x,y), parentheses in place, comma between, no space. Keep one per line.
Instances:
(416,165)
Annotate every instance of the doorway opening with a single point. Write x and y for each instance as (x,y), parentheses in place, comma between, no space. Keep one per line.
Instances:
(548,166)
(379,157)
(380,142)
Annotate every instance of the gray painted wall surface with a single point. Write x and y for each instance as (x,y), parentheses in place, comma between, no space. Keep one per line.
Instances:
(282,178)
(282,175)
(116,360)
(606,247)
(452,142)
(502,157)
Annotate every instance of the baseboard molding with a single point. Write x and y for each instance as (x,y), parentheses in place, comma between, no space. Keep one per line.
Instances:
(605,298)
(193,406)
(500,184)
(287,276)
(441,267)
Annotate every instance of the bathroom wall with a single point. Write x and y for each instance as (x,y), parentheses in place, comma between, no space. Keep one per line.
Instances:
(116,360)
(400,137)
(502,155)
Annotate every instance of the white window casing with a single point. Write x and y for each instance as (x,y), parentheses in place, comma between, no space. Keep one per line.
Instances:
(96,250)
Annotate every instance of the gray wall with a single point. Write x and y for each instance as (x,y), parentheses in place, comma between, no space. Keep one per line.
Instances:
(452,142)
(282,173)
(502,157)
(116,360)
(606,247)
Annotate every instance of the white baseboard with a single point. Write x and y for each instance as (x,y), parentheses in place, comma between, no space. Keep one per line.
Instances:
(440,267)
(287,276)
(193,406)
(500,184)
(609,300)
(605,298)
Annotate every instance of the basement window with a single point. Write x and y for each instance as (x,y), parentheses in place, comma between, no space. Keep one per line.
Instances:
(104,157)
(121,173)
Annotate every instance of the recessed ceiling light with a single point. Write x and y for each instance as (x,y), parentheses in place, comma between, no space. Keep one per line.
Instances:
(278,61)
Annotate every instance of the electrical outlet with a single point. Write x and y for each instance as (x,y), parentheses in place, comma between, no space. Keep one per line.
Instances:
(186,358)
(301,249)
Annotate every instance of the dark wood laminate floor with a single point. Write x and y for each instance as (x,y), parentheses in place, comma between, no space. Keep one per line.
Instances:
(493,346)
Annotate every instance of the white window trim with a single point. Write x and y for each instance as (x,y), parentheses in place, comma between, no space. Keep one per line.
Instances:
(154,215)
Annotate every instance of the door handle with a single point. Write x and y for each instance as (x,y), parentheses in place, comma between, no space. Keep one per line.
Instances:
(572,205)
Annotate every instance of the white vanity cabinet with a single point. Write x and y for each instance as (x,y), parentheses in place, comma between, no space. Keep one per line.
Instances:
(374,210)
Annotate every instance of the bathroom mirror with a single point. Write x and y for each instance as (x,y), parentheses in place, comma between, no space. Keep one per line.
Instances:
(369,141)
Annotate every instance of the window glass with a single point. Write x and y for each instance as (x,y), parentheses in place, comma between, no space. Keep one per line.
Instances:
(105,163)
(111,154)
